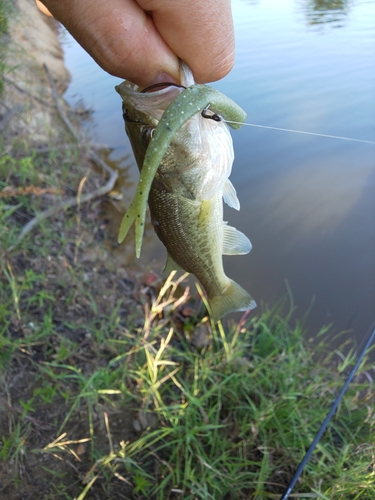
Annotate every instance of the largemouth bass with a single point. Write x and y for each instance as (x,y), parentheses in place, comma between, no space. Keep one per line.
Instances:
(185,158)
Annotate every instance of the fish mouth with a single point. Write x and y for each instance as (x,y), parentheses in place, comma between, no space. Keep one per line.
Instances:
(162,86)
(147,104)
(156,97)
(129,89)
(154,94)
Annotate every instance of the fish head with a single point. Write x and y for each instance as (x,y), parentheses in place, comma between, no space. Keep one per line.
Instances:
(142,112)
(199,159)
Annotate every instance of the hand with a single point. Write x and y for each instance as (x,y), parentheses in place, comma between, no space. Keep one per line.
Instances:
(141,40)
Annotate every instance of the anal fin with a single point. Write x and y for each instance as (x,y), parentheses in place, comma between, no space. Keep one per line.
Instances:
(235,242)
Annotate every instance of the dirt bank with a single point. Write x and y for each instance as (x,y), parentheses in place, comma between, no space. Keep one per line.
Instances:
(27,109)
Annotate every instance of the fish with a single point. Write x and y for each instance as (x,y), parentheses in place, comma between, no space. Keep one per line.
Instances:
(184,151)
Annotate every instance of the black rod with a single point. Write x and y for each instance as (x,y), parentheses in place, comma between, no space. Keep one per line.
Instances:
(327,419)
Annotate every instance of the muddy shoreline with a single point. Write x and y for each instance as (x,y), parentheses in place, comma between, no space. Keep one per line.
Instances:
(31,42)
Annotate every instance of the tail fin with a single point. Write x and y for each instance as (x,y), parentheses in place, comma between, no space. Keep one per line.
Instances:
(235,298)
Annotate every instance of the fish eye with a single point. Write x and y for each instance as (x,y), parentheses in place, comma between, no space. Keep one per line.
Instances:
(147,134)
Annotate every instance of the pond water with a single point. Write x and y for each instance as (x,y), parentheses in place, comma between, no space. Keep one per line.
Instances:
(307,202)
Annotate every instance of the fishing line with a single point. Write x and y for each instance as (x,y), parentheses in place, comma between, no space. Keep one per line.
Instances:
(328,417)
(302,132)
(207,113)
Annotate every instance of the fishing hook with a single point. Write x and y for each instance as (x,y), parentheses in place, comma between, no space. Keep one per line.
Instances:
(213,116)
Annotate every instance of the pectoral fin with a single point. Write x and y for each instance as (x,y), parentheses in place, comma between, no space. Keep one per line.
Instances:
(171,265)
(235,242)
(230,195)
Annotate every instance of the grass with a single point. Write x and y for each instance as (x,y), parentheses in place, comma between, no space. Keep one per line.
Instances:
(114,384)
(233,420)
(135,395)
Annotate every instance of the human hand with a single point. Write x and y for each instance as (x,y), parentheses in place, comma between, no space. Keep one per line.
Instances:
(141,40)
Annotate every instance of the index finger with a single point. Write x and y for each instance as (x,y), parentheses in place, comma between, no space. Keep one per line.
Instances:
(200,32)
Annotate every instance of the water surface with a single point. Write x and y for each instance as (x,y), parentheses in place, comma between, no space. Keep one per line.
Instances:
(307,203)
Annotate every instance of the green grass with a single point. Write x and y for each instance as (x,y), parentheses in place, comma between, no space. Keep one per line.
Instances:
(160,417)
(234,420)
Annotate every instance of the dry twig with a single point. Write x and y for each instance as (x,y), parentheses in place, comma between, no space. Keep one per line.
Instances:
(9,191)
(4,122)
(27,92)
(59,108)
